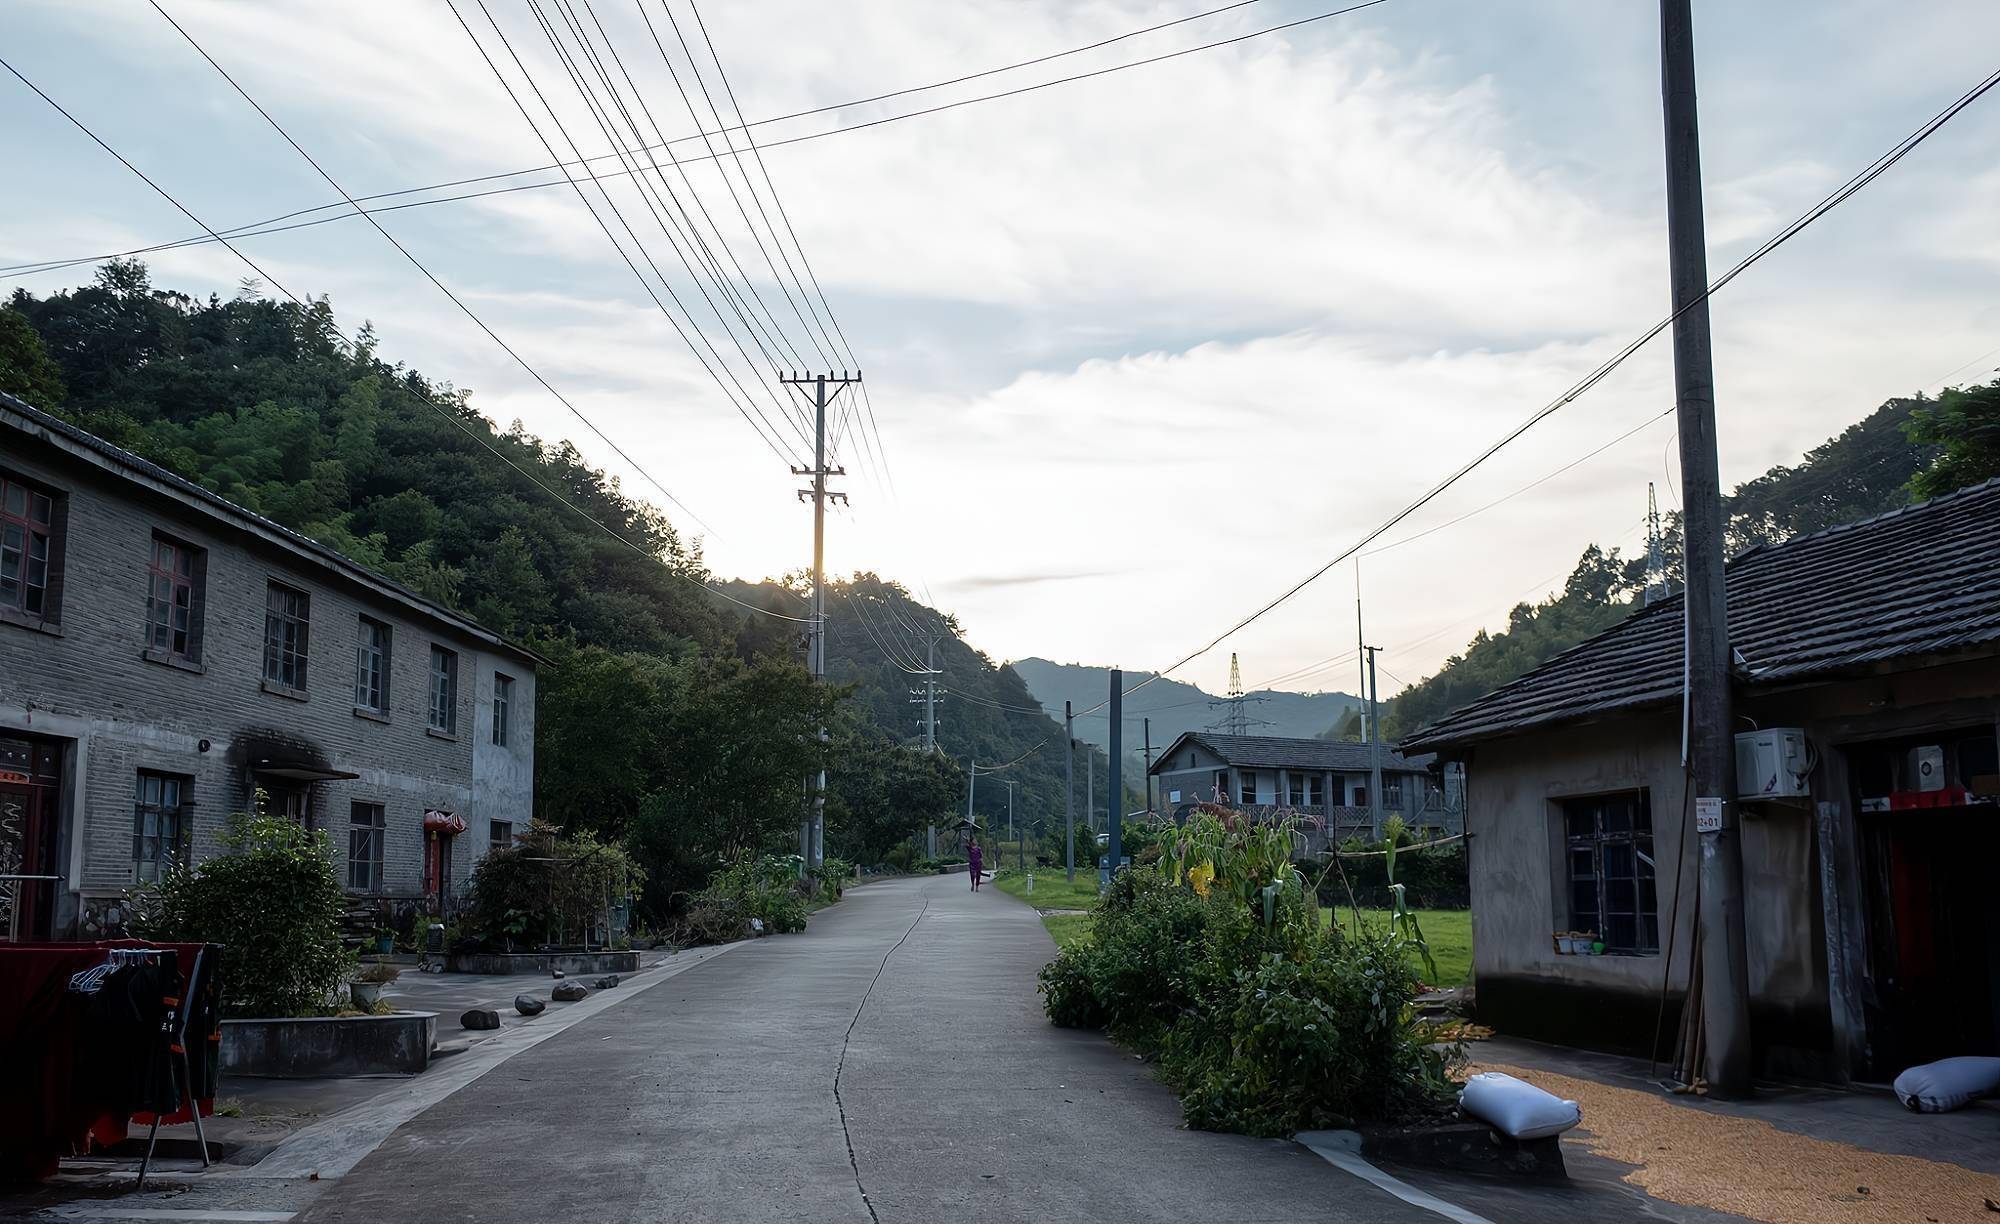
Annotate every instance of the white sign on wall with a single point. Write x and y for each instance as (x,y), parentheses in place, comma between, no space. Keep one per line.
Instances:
(1707,814)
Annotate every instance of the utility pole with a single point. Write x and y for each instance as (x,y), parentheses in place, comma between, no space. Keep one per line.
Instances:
(1090,789)
(1117,815)
(1009,784)
(812,847)
(1147,726)
(1069,793)
(971,777)
(1725,978)
(1369,731)
(1374,743)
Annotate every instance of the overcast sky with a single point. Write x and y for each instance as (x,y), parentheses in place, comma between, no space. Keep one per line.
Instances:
(1144,350)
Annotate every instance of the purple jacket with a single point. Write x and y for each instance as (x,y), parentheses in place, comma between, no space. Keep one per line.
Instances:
(975,857)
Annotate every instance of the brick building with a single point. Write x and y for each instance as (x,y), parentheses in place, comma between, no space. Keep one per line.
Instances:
(166,656)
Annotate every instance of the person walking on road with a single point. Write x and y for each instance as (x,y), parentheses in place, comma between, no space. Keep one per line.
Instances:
(975,862)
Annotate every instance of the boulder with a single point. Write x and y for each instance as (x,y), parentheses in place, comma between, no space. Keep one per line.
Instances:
(569,992)
(528,1005)
(480,1018)
(608,983)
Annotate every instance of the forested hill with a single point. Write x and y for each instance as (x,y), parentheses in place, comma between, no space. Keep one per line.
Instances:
(1173,705)
(1905,450)
(675,719)
(876,643)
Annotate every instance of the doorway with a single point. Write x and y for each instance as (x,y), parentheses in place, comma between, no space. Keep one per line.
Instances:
(30,816)
(1930,833)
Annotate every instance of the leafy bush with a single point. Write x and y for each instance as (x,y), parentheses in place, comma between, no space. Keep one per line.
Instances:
(831,877)
(1215,963)
(766,889)
(902,857)
(546,889)
(1312,1043)
(273,900)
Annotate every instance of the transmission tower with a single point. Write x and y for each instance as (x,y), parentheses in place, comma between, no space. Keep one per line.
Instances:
(1656,550)
(1236,718)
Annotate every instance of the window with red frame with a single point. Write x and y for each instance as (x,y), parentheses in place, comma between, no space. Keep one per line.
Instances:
(173,608)
(27,548)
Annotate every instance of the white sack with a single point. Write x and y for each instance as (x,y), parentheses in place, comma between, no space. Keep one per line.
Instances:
(1948,1084)
(1516,1109)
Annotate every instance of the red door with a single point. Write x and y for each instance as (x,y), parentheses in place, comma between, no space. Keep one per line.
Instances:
(28,807)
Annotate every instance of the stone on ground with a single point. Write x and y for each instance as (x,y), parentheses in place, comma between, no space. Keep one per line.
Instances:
(480,1018)
(528,1005)
(569,992)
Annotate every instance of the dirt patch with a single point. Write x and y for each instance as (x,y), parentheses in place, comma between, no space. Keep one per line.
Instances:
(1751,1168)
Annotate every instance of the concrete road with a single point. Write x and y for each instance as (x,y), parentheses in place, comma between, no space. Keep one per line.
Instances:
(891,1064)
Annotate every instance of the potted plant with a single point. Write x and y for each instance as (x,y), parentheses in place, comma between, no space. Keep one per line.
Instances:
(366,986)
(385,940)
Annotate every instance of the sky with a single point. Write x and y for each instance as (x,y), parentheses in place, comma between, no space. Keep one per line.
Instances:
(1142,350)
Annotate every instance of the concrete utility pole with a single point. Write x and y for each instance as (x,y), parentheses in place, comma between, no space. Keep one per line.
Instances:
(929,723)
(1374,743)
(1069,793)
(1117,815)
(1725,979)
(812,839)
(1008,783)
(971,777)
(1146,725)
(1090,789)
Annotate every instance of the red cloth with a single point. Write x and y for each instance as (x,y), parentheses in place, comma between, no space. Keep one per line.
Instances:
(41,1119)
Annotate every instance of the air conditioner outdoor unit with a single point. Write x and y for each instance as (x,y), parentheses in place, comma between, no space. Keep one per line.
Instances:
(1773,763)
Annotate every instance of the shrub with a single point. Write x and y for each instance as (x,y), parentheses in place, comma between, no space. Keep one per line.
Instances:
(766,889)
(902,857)
(1216,964)
(273,900)
(1312,1043)
(544,889)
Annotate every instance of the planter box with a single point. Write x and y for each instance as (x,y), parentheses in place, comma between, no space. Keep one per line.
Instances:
(573,964)
(321,1047)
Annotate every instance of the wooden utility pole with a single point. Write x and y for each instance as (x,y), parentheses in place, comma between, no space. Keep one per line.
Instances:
(812,836)
(1711,766)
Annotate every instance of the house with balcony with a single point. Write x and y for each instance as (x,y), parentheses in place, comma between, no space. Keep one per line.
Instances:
(168,658)
(1326,779)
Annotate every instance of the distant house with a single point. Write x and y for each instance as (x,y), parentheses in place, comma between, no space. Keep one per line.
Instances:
(1328,779)
(1867,684)
(167,657)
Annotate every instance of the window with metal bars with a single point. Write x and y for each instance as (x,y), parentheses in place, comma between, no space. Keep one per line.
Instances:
(159,823)
(29,542)
(287,621)
(173,600)
(1608,852)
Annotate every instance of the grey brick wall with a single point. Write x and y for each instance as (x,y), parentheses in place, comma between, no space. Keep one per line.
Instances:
(90,683)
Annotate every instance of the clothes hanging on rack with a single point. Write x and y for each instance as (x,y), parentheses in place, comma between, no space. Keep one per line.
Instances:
(95,1058)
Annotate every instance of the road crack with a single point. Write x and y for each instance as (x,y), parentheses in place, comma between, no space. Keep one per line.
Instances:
(841,1066)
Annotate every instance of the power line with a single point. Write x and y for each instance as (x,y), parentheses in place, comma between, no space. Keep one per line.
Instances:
(777,200)
(721,167)
(428,275)
(271,225)
(418,390)
(733,295)
(1839,195)
(563,131)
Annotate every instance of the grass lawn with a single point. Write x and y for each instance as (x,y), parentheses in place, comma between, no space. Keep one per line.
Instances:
(1448,932)
(1052,891)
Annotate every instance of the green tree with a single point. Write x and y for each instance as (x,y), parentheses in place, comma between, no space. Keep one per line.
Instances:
(1964,427)
(26,369)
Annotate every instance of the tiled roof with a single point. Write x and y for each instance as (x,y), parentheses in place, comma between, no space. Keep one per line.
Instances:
(1276,752)
(133,467)
(1920,581)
